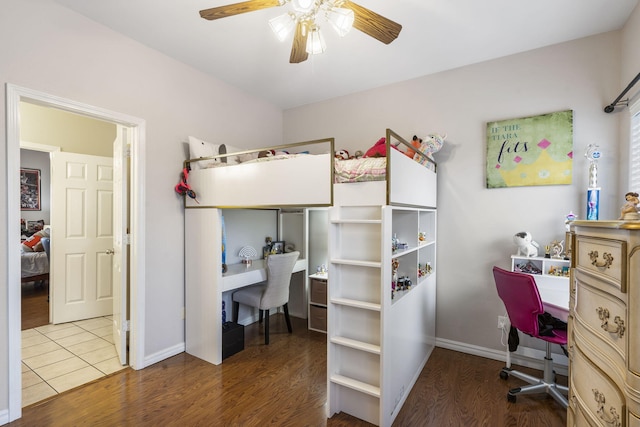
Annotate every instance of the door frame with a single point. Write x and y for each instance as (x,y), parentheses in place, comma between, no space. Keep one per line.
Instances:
(14,95)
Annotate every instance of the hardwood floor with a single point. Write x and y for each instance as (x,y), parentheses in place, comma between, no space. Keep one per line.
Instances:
(284,384)
(35,305)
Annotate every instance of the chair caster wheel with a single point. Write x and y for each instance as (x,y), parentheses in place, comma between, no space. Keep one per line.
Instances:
(504,374)
(511,398)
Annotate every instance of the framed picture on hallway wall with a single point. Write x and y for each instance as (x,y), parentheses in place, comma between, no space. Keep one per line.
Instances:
(30,189)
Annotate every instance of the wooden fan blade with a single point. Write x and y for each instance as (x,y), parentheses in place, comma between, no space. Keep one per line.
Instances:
(372,24)
(237,8)
(299,47)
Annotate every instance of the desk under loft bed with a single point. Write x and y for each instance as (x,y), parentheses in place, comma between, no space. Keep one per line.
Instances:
(380,337)
(298,176)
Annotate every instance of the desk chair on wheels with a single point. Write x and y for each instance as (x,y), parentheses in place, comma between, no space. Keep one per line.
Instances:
(519,293)
(274,293)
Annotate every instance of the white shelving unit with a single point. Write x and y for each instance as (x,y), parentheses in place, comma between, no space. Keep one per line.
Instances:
(551,274)
(318,302)
(378,344)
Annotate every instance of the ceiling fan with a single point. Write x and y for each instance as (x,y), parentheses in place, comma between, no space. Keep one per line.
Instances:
(342,14)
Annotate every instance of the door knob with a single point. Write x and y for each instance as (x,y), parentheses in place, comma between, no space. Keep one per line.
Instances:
(110,252)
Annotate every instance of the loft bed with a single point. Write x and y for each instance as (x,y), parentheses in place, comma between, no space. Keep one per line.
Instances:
(298,174)
(395,179)
(294,175)
(301,174)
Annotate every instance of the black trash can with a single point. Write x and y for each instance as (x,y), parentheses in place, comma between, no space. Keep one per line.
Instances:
(232,339)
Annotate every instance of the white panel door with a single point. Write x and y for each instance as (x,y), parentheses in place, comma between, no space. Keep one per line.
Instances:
(120,241)
(81,236)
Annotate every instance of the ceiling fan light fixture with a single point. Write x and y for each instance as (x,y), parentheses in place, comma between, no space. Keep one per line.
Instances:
(341,20)
(315,41)
(303,6)
(283,25)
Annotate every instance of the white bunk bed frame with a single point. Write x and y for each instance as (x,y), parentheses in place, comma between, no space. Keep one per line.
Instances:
(308,181)
(377,346)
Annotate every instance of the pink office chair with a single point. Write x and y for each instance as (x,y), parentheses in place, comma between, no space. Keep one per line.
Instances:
(519,293)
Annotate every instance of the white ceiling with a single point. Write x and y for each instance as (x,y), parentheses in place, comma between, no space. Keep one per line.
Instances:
(436,35)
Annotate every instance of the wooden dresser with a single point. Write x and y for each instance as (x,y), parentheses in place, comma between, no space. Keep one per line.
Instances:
(604,324)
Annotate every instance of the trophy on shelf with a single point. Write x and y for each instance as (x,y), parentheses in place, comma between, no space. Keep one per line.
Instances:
(593,191)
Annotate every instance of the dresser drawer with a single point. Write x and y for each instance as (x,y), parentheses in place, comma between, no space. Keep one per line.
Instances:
(576,417)
(605,258)
(595,393)
(634,420)
(603,315)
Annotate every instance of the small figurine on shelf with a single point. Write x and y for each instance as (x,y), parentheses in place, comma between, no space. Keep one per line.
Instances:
(266,250)
(557,249)
(568,220)
(547,251)
(394,243)
(394,275)
(424,270)
(422,237)
(404,283)
(629,211)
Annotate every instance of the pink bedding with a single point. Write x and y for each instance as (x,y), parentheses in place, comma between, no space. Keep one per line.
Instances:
(360,170)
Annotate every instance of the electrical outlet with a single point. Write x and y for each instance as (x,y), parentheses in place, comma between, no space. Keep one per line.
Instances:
(502,322)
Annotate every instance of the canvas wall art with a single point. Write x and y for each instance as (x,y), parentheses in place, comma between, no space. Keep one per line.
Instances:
(535,150)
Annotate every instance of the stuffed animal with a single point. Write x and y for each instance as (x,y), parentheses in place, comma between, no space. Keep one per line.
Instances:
(379,149)
(417,143)
(526,245)
(266,153)
(431,144)
(342,155)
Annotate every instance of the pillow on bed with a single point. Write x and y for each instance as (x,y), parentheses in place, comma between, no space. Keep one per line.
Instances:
(199,148)
(231,160)
(30,243)
(33,243)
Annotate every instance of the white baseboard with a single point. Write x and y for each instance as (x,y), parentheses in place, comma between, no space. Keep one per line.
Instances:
(164,354)
(4,417)
(524,356)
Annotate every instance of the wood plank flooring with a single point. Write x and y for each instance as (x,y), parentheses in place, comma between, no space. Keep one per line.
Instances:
(35,305)
(284,384)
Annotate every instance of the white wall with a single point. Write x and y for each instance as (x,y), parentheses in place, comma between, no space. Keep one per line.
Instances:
(476,225)
(59,52)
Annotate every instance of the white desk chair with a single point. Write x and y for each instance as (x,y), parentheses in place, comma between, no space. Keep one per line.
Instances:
(274,293)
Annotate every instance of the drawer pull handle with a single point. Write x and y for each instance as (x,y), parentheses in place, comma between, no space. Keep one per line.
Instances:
(619,329)
(570,352)
(608,259)
(614,418)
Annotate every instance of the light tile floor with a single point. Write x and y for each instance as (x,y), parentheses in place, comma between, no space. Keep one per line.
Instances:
(56,358)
